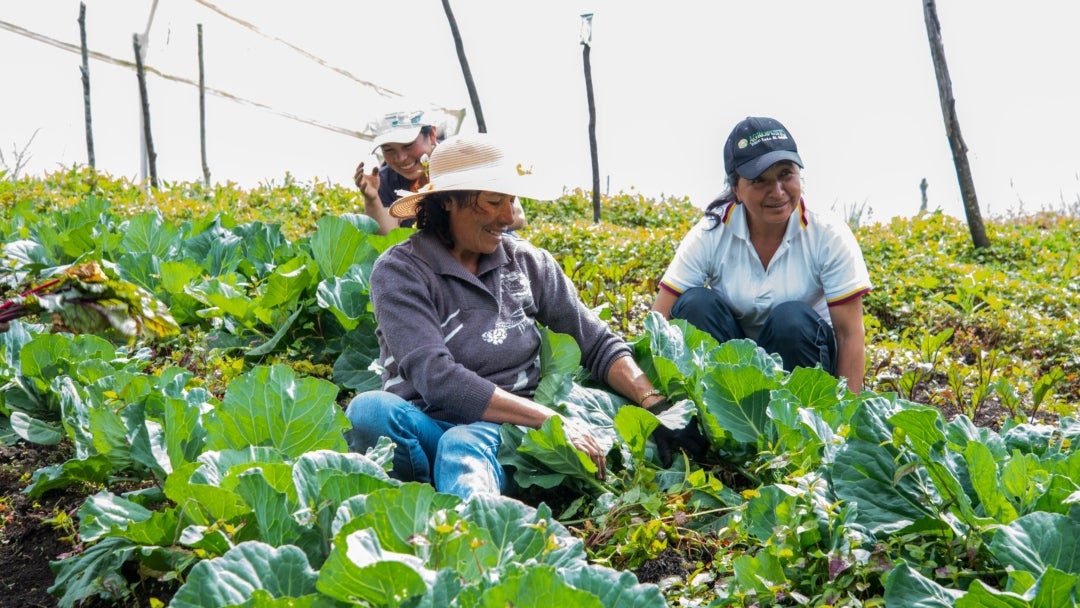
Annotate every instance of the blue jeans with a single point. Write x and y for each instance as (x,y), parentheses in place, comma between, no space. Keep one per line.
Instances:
(792,329)
(459,459)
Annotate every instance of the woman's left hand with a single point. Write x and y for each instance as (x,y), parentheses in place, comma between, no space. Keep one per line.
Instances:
(507,407)
(581,439)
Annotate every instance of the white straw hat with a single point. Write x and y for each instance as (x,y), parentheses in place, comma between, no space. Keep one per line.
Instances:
(473,162)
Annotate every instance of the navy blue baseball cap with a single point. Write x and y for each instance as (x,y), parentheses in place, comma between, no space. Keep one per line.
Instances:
(757,143)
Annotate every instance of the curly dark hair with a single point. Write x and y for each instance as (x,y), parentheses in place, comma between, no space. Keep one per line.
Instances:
(433,217)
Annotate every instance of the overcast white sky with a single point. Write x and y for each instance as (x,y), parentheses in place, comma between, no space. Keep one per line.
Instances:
(851,79)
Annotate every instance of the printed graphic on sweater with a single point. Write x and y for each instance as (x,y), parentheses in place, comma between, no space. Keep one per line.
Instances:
(515,290)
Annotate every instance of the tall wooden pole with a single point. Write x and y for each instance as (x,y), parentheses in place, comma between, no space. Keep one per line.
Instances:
(465,71)
(952,127)
(144,41)
(202,113)
(85,69)
(586,42)
(151,155)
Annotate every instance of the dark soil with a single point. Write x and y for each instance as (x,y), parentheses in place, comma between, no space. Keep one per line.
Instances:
(989,414)
(669,563)
(27,541)
(29,538)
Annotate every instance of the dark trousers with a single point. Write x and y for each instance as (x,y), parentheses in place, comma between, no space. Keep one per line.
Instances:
(793,330)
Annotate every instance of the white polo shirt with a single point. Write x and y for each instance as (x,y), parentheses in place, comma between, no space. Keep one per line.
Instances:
(819,262)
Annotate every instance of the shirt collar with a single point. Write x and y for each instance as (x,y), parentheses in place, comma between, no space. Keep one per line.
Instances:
(735,218)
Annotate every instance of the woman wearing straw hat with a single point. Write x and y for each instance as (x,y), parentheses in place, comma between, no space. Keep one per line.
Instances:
(404,140)
(764,266)
(457,306)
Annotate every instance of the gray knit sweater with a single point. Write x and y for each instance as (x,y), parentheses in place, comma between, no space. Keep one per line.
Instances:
(447,337)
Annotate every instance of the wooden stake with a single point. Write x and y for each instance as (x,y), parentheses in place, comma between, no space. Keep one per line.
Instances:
(141,74)
(592,134)
(202,114)
(474,97)
(952,127)
(85,69)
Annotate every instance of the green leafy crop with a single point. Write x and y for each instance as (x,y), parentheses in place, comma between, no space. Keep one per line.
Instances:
(218,462)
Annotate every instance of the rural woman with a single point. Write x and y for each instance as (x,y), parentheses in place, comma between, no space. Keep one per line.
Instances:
(457,306)
(404,140)
(762,264)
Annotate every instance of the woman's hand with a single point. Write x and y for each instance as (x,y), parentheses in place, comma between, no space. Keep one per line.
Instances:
(368,183)
(507,407)
(582,439)
(688,439)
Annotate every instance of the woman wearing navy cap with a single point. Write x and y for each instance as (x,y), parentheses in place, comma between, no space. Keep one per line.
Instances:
(762,265)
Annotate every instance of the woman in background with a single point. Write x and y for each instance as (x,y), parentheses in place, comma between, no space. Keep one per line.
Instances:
(404,140)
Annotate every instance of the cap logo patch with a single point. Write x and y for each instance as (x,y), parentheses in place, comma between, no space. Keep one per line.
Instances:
(742,144)
(404,119)
(762,136)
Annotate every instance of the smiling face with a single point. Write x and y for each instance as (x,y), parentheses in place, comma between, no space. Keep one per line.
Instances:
(772,196)
(477,227)
(405,158)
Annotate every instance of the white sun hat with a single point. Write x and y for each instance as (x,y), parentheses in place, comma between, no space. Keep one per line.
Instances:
(475,161)
(398,128)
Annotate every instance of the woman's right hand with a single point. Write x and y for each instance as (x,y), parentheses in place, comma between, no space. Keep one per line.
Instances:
(368,183)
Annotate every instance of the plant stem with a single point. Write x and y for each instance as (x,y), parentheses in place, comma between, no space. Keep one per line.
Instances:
(30,292)
(16,307)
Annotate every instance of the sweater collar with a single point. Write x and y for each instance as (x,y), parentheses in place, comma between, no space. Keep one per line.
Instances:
(432,251)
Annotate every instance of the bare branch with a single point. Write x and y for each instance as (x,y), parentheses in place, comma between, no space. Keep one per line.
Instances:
(20,157)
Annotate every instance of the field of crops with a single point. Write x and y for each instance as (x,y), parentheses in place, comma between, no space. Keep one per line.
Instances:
(185,447)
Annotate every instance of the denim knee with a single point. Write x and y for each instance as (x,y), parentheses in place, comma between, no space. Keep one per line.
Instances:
(792,319)
(370,414)
(801,337)
(708,310)
(467,461)
(377,414)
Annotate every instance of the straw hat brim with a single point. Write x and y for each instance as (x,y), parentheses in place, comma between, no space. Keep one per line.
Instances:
(518,185)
